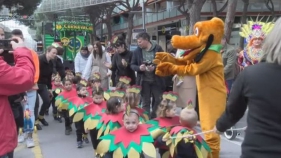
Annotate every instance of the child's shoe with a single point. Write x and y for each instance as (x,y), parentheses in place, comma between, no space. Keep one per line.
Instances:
(85,139)
(79,144)
(68,130)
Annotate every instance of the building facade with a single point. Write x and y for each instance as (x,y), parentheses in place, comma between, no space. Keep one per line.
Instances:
(164,18)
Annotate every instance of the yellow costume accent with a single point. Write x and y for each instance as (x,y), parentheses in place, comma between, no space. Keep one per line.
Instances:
(204,61)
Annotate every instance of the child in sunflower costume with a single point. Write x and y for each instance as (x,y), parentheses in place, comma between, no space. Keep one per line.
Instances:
(183,141)
(76,103)
(56,89)
(132,140)
(62,103)
(165,120)
(124,83)
(101,116)
(132,99)
(94,81)
(254,33)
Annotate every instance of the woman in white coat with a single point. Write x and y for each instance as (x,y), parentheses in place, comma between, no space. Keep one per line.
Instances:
(80,60)
(96,64)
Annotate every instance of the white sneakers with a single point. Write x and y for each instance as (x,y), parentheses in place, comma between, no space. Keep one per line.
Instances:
(27,138)
(30,142)
(22,137)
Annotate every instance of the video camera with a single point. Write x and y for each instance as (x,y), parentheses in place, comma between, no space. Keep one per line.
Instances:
(6,46)
(148,63)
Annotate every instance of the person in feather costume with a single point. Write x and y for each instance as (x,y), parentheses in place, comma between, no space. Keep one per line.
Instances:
(76,103)
(124,83)
(101,116)
(133,140)
(165,120)
(62,103)
(183,141)
(56,89)
(132,99)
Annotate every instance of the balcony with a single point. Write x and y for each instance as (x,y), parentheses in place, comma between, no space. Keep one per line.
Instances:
(148,19)
(207,8)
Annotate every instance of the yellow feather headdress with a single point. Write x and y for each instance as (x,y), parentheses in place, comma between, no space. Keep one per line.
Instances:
(255,29)
(134,89)
(125,79)
(172,96)
(117,93)
(83,82)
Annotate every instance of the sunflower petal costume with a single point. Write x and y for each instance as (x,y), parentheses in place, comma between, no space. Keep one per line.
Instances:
(123,143)
(76,103)
(176,135)
(62,99)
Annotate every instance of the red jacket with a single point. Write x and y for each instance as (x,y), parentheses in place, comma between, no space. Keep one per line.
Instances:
(13,80)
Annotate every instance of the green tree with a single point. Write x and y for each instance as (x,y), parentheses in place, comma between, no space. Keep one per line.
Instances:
(22,7)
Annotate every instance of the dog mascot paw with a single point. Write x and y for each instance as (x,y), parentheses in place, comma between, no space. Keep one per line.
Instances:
(202,59)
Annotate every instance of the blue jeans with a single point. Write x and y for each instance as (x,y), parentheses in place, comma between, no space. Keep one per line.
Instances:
(229,84)
(31,99)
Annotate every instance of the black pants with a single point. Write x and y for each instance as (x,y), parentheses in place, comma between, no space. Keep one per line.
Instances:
(18,114)
(45,95)
(94,140)
(36,108)
(67,119)
(79,130)
(185,150)
(151,89)
(160,145)
(8,155)
(55,109)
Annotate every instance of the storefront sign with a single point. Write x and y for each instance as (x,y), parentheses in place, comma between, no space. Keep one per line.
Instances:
(74,26)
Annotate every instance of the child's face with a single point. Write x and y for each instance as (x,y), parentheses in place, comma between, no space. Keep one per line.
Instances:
(70,76)
(67,85)
(171,112)
(83,91)
(57,82)
(97,98)
(131,122)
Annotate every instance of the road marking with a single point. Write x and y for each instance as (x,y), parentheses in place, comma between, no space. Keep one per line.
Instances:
(231,141)
(37,149)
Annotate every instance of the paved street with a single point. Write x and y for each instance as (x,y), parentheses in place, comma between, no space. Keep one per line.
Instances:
(52,143)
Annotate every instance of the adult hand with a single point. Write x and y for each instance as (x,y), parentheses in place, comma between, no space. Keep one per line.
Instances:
(124,63)
(151,68)
(1,51)
(142,67)
(216,130)
(108,74)
(17,44)
(108,65)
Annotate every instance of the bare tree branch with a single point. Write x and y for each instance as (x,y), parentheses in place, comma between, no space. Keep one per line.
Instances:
(216,12)
(270,6)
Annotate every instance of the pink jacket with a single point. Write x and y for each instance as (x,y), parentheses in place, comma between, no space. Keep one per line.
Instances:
(13,80)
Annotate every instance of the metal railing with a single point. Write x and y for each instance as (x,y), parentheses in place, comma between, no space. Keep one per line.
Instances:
(59,5)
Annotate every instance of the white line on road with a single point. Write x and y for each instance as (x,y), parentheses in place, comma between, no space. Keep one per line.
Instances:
(232,141)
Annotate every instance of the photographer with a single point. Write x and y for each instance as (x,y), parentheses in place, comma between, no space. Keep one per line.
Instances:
(13,80)
(152,85)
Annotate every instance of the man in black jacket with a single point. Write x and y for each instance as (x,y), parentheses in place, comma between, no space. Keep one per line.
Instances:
(152,85)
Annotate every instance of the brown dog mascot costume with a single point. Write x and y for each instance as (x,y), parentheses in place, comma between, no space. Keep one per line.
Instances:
(203,60)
